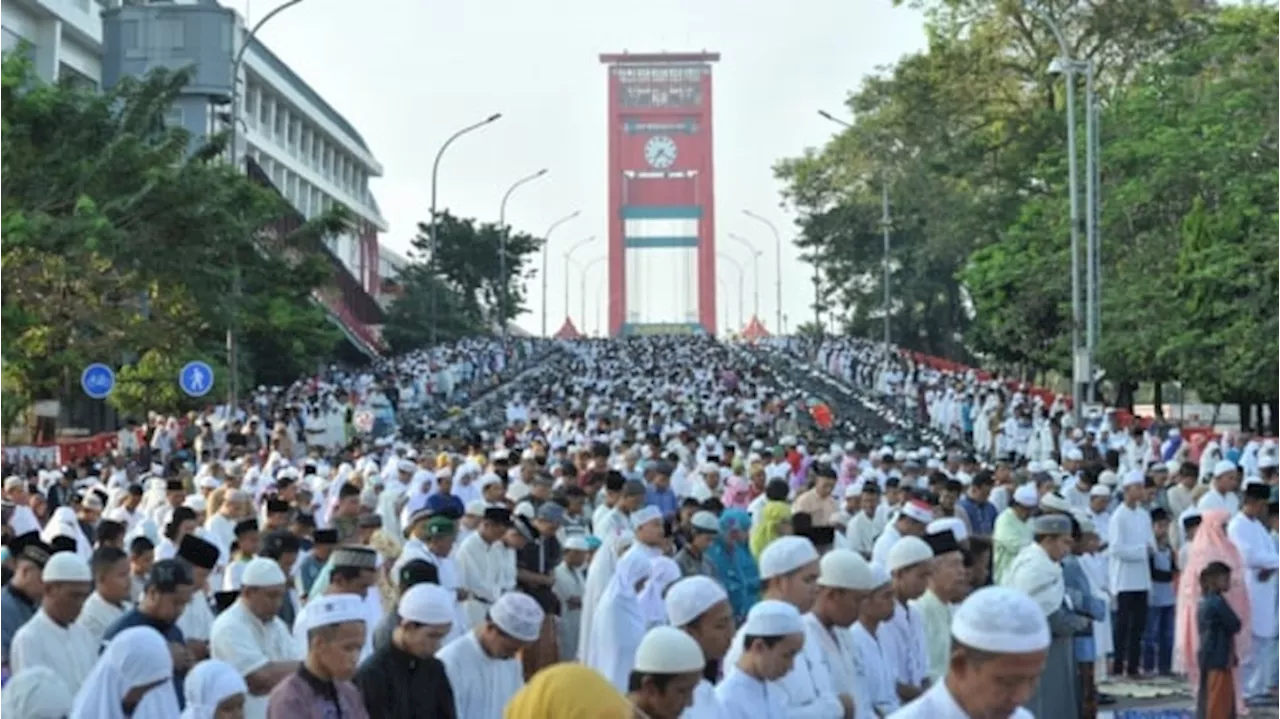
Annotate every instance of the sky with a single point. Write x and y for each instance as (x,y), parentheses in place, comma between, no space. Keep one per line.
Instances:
(409,73)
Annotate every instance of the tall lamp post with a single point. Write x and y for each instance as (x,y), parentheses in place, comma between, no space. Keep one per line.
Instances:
(568,261)
(582,291)
(502,245)
(886,222)
(546,241)
(777,238)
(742,281)
(755,272)
(1082,357)
(233,155)
(435,173)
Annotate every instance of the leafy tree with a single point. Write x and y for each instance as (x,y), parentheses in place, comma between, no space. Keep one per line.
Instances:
(151,383)
(410,319)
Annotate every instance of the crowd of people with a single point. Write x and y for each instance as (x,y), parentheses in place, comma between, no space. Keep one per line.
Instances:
(651,527)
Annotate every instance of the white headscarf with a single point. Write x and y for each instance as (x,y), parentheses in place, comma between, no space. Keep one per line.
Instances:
(599,573)
(662,572)
(619,620)
(136,657)
(63,523)
(210,683)
(36,693)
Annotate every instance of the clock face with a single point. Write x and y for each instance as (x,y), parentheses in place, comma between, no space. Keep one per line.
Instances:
(660,152)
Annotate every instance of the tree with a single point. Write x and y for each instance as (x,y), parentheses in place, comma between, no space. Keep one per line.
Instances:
(120,241)
(411,319)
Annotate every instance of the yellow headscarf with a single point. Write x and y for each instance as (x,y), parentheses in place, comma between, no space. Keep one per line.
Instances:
(766,530)
(568,691)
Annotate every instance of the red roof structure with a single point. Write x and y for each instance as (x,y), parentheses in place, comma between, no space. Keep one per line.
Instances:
(754,330)
(567,331)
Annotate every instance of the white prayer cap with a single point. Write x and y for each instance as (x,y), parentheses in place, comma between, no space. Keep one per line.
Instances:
(705,521)
(517,614)
(335,609)
(36,692)
(1100,491)
(879,575)
(66,567)
(1055,502)
(207,481)
(1132,478)
(955,525)
(1267,461)
(195,503)
(406,465)
(785,555)
(426,604)
(476,507)
(667,650)
(908,551)
(772,618)
(1224,466)
(1001,620)
(1026,495)
(918,511)
(844,569)
(644,515)
(691,597)
(1034,467)
(262,572)
(577,542)
(1107,478)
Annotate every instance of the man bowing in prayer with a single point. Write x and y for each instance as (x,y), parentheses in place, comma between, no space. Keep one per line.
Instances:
(52,638)
(252,638)
(700,607)
(483,665)
(667,668)
(321,686)
(352,570)
(405,680)
(1000,641)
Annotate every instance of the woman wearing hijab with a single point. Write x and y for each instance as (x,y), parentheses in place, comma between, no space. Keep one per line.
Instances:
(214,690)
(775,519)
(662,573)
(64,523)
(599,573)
(133,678)
(36,693)
(734,566)
(619,621)
(568,691)
(1211,544)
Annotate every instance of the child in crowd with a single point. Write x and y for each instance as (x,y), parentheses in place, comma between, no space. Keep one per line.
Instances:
(1217,625)
(1157,639)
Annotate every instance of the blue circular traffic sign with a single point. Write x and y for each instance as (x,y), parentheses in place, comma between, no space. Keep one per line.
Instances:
(196,378)
(97,380)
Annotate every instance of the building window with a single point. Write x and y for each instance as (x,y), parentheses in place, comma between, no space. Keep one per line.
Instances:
(168,35)
(264,110)
(174,117)
(251,100)
(282,117)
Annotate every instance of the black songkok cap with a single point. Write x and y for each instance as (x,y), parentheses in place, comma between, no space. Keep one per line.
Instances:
(199,552)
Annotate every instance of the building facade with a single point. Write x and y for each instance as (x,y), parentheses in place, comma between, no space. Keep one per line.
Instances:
(302,145)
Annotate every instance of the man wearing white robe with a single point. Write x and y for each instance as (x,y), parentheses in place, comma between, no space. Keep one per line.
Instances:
(902,636)
(252,639)
(432,542)
(52,638)
(483,666)
(864,527)
(820,685)
(569,588)
(480,560)
(750,687)
(1222,490)
(1261,558)
(352,570)
(110,597)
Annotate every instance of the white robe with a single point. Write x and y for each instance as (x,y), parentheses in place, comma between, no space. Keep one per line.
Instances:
(862,533)
(745,697)
(570,584)
(937,703)
(873,675)
(196,621)
(98,614)
(248,644)
(481,685)
(706,705)
(811,688)
(70,651)
(1259,552)
(480,572)
(902,638)
(599,574)
(619,622)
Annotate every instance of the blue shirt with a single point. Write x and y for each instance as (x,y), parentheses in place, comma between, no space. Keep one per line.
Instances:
(982,516)
(664,499)
(171,633)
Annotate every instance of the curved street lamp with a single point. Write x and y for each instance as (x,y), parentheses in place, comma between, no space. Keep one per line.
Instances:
(742,281)
(777,238)
(586,271)
(546,241)
(568,260)
(502,245)
(755,271)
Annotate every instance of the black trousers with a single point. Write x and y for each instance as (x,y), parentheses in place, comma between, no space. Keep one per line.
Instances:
(1131,621)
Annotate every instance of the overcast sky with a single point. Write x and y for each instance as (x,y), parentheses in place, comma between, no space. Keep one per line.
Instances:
(408,73)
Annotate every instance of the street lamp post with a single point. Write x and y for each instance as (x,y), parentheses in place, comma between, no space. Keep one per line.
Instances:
(546,242)
(582,291)
(777,238)
(502,246)
(233,155)
(742,281)
(568,261)
(755,272)
(435,172)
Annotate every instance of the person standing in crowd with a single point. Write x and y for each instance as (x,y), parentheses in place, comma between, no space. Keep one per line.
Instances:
(700,607)
(772,638)
(1217,625)
(1132,542)
(734,566)
(131,680)
(821,683)
(110,598)
(52,638)
(667,668)
(902,637)
(483,665)
(1157,637)
(948,586)
(311,565)
(874,678)
(481,560)
(569,587)
(352,570)
(196,620)
(1013,529)
(20,598)
(619,621)
(404,680)
(250,636)
(1258,549)
(704,527)
(321,686)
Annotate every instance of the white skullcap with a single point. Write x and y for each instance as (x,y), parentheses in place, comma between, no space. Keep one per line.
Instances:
(1100,491)
(667,650)
(195,503)
(785,555)
(517,614)
(66,567)
(262,572)
(333,609)
(426,603)
(879,575)
(577,542)
(918,511)
(476,507)
(908,551)
(845,569)
(1224,466)
(1001,620)
(207,481)
(1054,501)
(772,618)
(1108,478)
(645,515)
(1267,461)
(1132,478)
(705,521)
(1026,495)
(691,597)
(955,525)
(406,465)
(1034,467)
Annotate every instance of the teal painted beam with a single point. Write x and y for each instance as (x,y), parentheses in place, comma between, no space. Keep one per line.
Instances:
(645,243)
(670,328)
(661,212)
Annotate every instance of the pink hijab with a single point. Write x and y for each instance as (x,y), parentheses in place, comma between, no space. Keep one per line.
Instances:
(1211,544)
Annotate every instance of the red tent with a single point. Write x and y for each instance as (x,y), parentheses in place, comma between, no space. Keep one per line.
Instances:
(754,330)
(567,331)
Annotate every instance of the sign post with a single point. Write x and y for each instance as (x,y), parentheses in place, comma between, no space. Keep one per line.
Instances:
(196,378)
(97,380)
